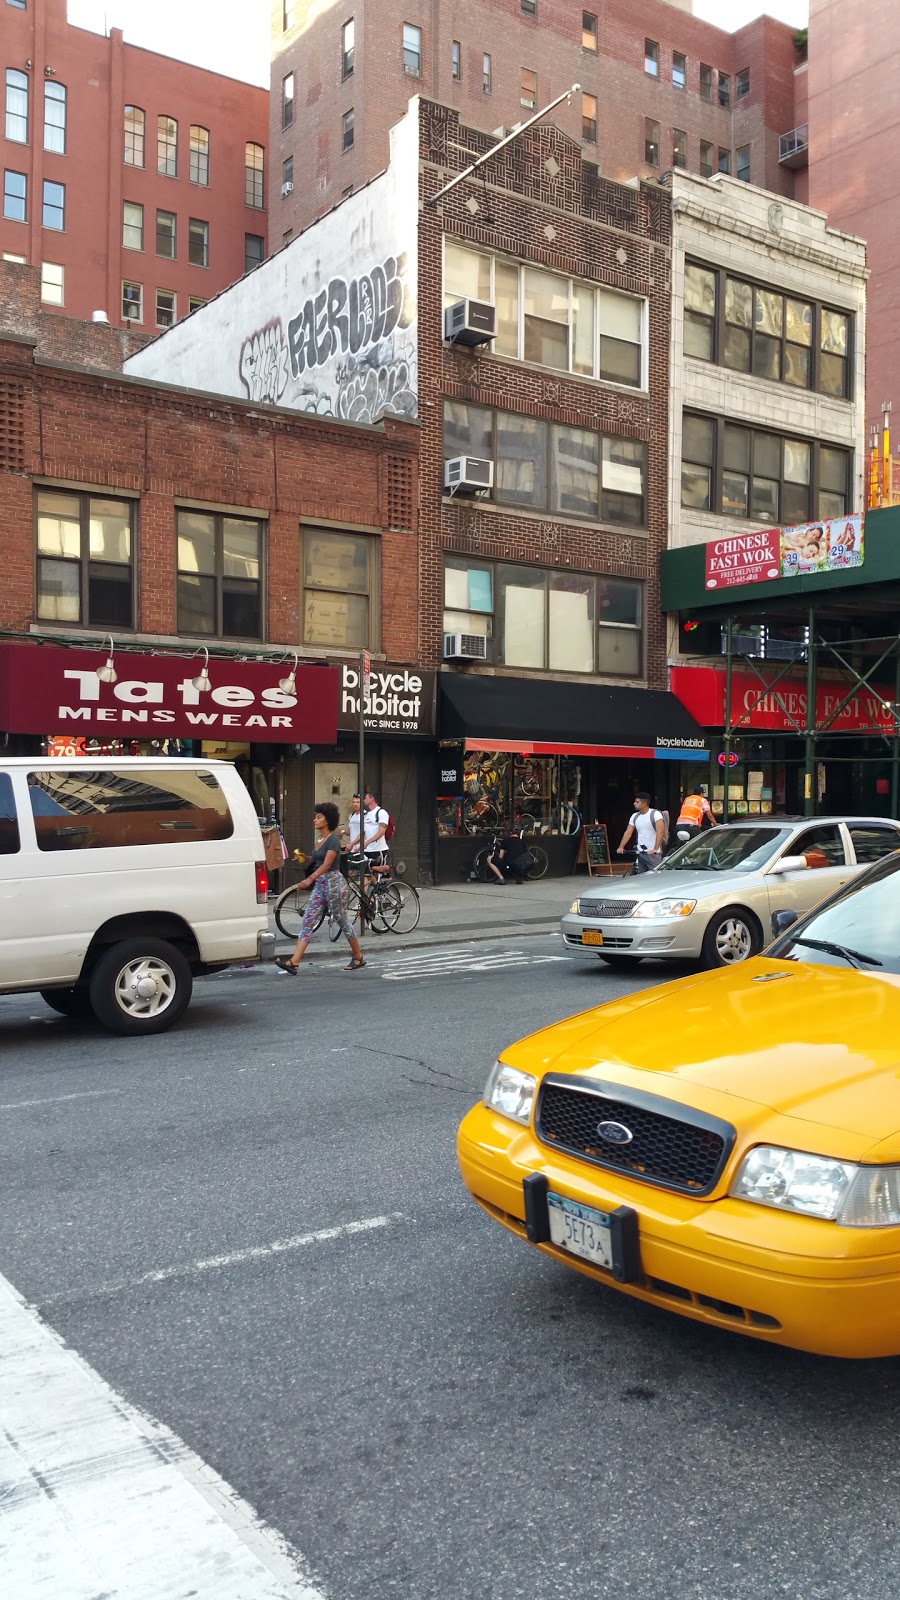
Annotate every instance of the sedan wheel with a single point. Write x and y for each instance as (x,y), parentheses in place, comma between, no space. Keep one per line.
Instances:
(731,937)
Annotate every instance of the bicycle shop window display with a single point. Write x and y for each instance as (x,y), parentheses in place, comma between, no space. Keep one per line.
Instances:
(531,795)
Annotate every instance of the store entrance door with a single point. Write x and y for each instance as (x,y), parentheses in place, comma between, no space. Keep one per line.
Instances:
(336,781)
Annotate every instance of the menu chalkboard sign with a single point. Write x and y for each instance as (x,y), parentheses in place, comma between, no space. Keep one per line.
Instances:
(596,846)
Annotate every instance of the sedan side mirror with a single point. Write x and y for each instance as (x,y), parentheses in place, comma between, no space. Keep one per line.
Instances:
(789,864)
(782,920)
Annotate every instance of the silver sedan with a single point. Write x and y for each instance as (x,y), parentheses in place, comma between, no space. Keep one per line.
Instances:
(713,899)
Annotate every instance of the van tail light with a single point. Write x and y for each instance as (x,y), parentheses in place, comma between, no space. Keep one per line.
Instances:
(262,883)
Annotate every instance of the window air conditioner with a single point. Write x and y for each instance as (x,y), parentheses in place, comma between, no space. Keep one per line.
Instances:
(287,188)
(468,475)
(470,322)
(465,647)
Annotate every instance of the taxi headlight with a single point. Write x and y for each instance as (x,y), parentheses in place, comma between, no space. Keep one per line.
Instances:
(664,908)
(817,1186)
(510,1092)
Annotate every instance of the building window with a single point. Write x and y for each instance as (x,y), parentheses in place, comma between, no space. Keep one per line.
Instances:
(529,7)
(456,61)
(165,308)
(742,163)
(198,242)
(724,160)
(528,89)
(679,70)
(348,48)
(589,118)
(744,472)
(707,156)
(651,58)
(55,106)
(132,302)
(166,242)
(195,302)
(545,620)
(287,175)
(571,472)
(486,80)
(254,250)
(706,83)
(19,4)
(254,176)
(287,16)
(589,32)
(348,131)
(17,106)
(19,261)
(751,329)
(84,560)
(287,236)
(679,148)
(724,90)
(339,575)
(132,226)
(287,100)
(551,320)
(53,284)
(167,147)
(15,196)
(134,136)
(219,588)
(651,142)
(54,206)
(742,84)
(412,50)
(200,156)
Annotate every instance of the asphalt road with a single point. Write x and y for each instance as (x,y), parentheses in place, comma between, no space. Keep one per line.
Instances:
(425,1408)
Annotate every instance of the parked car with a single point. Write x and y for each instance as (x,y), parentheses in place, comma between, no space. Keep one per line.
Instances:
(122,879)
(726,1146)
(712,899)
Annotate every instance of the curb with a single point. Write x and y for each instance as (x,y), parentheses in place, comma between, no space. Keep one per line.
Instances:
(373,942)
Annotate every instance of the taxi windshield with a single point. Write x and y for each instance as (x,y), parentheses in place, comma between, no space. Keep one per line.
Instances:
(859,929)
(728,849)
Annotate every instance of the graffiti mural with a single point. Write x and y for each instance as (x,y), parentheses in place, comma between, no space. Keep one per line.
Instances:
(264,363)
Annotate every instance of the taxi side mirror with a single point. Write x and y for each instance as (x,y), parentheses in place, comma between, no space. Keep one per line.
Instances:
(782,920)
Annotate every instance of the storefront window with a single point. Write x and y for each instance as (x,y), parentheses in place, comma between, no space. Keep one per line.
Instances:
(531,795)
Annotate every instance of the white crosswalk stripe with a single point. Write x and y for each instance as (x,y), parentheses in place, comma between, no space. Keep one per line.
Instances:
(446,963)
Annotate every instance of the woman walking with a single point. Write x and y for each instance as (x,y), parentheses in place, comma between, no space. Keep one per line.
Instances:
(328,890)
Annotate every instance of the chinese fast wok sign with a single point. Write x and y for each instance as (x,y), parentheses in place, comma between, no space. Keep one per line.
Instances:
(800,551)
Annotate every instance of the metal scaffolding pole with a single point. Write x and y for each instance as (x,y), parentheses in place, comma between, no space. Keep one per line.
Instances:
(728,676)
(895,758)
(809,753)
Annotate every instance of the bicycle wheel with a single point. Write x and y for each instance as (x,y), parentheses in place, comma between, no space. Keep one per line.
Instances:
(479,867)
(289,911)
(400,907)
(541,862)
(354,912)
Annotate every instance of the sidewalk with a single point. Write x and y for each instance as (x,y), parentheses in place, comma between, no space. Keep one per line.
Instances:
(458,912)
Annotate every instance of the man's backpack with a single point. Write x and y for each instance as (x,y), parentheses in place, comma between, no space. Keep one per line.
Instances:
(389,830)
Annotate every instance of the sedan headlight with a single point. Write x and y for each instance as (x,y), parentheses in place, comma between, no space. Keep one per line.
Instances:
(510,1092)
(817,1186)
(664,908)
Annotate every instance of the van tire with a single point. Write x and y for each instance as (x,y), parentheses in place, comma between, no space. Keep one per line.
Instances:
(157,965)
(68,1002)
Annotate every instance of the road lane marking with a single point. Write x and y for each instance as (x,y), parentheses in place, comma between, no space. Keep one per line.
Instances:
(432,964)
(98,1499)
(235,1258)
(57,1099)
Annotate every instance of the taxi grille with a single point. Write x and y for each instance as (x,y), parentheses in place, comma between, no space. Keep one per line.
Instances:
(606,908)
(670,1146)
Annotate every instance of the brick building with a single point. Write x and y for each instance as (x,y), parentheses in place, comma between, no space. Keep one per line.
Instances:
(137,183)
(174,523)
(659,87)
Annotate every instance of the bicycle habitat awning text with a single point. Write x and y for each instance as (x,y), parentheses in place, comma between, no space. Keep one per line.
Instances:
(538,717)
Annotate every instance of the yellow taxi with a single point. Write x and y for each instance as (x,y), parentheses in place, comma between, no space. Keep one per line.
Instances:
(726,1146)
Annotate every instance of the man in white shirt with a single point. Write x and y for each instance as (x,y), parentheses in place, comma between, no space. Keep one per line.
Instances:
(352,828)
(648,828)
(375,823)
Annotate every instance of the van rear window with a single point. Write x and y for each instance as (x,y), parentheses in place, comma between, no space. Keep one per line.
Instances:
(78,809)
(9,825)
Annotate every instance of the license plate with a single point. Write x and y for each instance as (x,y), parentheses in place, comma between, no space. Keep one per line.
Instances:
(580,1229)
(591,936)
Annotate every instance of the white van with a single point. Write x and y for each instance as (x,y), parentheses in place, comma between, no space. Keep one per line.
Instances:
(122,878)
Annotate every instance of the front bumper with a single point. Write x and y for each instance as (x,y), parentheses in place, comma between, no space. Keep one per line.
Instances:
(668,938)
(787,1279)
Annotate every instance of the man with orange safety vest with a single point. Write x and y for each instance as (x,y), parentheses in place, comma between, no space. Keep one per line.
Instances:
(695,814)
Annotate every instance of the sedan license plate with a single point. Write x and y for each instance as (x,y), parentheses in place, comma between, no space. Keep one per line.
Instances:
(580,1229)
(591,936)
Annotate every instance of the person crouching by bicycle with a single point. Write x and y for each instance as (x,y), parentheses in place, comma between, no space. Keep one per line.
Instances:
(505,860)
(648,828)
(328,891)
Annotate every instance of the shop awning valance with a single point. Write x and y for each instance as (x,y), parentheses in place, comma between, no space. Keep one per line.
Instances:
(545,717)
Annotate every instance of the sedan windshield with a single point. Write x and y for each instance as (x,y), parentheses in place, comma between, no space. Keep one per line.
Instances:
(860,929)
(726,850)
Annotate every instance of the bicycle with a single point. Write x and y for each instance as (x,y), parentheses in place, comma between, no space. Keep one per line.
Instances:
(481,871)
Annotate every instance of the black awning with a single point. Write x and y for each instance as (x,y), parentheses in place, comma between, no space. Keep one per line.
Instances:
(475,705)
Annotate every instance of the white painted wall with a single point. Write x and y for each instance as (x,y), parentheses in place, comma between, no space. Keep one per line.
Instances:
(329,324)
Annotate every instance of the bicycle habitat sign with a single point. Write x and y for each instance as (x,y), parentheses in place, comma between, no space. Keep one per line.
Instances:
(398,700)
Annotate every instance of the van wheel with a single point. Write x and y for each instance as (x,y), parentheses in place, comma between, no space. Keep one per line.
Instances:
(68,1002)
(140,986)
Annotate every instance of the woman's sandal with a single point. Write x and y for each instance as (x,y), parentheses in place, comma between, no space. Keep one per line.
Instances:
(286,965)
(354,965)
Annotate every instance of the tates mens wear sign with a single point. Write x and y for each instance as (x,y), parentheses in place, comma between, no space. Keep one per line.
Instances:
(48,690)
(399,700)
